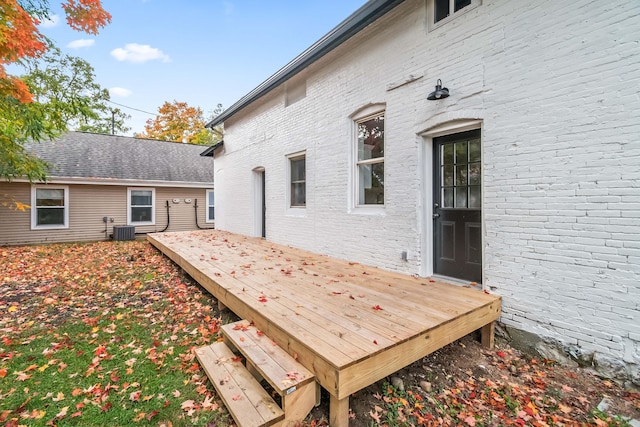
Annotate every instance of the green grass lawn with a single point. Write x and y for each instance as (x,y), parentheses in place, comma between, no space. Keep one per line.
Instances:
(102,334)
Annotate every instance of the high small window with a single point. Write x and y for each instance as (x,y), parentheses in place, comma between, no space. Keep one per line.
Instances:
(210,206)
(50,207)
(370,160)
(298,174)
(441,10)
(141,209)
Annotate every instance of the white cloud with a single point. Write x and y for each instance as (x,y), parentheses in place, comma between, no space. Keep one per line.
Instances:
(77,44)
(119,92)
(53,21)
(134,52)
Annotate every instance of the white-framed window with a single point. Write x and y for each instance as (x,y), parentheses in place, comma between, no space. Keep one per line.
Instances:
(443,11)
(141,204)
(49,207)
(297,180)
(211,214)
(369,166)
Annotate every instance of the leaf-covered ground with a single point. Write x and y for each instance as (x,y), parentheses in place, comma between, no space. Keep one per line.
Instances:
(103,334)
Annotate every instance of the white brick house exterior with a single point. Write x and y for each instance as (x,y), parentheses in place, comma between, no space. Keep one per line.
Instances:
(553,86)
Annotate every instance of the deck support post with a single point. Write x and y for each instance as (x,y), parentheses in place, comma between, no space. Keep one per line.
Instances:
(221,306)
(339,412)
(487,334)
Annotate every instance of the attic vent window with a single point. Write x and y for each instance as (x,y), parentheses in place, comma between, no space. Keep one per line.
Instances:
(295,92)
(444,10)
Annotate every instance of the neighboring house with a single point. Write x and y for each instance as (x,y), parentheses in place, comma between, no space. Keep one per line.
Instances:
(525,179)
(96,182)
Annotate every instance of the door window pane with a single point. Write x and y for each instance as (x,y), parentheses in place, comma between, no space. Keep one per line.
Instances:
(448,175)
(474,150)
(461,175)
(474,197)
(447,197)
(461,153)
(461,197)
(474,174)
(447,154)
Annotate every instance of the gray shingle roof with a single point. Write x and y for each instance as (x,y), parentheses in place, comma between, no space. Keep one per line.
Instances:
(90,155)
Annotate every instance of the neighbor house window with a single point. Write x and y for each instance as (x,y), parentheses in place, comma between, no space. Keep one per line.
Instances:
(298,181)
(141,206)
(442,11)
(210,206)
(50,207)
(370,160)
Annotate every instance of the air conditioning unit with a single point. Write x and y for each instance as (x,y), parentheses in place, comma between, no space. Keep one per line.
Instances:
(124,232)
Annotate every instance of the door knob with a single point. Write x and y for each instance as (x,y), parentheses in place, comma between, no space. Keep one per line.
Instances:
(436,215)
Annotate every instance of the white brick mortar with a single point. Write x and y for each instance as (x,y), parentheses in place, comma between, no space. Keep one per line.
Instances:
(556,87)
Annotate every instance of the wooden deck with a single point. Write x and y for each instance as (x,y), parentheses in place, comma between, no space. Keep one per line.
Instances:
(350,324)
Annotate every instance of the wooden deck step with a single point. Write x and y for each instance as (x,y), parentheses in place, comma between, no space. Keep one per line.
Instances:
(266,360)
(248,403)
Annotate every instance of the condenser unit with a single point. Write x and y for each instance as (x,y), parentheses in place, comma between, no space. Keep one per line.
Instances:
(124,232)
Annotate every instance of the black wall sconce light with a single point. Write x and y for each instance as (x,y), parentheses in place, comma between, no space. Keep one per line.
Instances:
(439,93)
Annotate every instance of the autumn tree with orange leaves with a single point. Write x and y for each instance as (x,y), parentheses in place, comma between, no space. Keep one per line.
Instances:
(20,116)
(179,122)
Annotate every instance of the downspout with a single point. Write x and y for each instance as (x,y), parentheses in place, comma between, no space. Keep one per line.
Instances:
(195,206)
(168,218)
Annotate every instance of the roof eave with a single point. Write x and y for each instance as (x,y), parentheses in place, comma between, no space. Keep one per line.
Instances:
(362,17)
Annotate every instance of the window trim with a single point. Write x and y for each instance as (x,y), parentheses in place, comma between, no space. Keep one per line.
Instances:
(34,208)
(207,206)
(298,209)
(431,13)
(365,114)
(153,206)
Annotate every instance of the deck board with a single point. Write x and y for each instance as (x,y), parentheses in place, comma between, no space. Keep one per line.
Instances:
(322,309)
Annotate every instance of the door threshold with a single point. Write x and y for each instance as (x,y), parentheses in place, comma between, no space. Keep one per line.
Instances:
(456,281)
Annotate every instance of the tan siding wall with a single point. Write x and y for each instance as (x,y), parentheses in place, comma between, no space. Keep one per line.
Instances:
(182,214)
(88,204)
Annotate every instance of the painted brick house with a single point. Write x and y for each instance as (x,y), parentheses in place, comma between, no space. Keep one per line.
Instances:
(525,178)
(96,182)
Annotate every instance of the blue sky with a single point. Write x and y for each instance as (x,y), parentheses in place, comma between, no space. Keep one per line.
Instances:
(202,52)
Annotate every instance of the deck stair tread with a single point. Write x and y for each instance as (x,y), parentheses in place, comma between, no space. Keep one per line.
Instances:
(273,363)
(248,402)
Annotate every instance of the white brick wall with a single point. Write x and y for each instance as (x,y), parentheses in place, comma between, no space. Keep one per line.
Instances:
(557,88)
